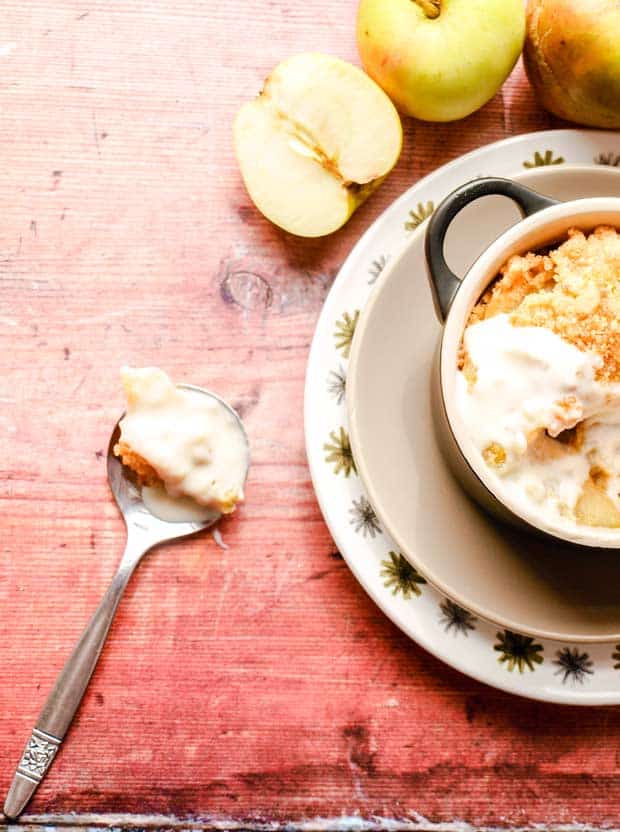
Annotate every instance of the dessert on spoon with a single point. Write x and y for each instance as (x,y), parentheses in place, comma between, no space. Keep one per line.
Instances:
(185,448)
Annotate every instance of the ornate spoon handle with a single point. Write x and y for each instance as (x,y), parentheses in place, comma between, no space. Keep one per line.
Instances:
(64,700)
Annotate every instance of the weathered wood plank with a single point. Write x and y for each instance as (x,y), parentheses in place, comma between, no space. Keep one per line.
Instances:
(256,683)
(342,823)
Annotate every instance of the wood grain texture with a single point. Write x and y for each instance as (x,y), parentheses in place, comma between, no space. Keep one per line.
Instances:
(257,682)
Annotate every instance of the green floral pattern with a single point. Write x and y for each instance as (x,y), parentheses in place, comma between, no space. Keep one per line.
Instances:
(418,215)
(400,576)
(344,332)
(338,452)
(542,159)
(518,651)
(612,159)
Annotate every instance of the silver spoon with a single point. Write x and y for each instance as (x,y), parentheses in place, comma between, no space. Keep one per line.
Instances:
(144,531)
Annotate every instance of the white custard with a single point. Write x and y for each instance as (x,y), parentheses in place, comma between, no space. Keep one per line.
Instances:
(192,440)
(530,385)
(175,509)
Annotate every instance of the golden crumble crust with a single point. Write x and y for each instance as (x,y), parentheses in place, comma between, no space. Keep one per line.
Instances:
(573,290)
(145,473)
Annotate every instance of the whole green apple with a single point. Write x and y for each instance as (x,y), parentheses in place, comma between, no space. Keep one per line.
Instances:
(572,58)
(440,60)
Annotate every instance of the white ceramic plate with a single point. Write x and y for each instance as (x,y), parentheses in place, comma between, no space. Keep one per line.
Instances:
(552,671)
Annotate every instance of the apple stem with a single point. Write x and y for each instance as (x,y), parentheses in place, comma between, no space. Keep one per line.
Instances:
(431,8)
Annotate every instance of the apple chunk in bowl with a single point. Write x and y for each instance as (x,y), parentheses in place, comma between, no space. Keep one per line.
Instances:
(318,140)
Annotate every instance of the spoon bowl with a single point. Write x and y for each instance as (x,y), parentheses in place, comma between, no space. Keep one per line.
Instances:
(128,494)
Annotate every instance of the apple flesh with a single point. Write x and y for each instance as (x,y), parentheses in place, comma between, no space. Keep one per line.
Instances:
(316,142)
(596,508)
(572,58)
(440,60)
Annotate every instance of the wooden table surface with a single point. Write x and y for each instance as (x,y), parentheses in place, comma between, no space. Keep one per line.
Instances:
(248,685)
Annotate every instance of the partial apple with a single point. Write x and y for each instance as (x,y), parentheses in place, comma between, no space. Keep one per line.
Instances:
(316,142)
(572,58)
(440,60)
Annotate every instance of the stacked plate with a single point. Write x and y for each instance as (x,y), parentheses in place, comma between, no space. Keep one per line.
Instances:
(496,604)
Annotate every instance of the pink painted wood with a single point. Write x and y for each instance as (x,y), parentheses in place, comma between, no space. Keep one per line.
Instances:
(257,681)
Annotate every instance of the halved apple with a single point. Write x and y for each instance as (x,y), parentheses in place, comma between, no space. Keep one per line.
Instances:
(317,141)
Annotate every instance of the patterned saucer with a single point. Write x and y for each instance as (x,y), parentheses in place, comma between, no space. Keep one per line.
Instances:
(575,673)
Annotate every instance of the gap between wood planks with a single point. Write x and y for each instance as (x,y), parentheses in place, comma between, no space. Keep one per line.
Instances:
(344,823)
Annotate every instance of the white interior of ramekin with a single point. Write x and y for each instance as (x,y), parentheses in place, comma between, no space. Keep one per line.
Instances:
(540,229)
